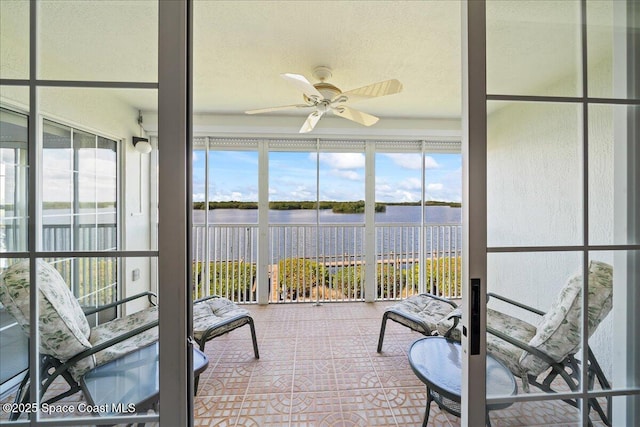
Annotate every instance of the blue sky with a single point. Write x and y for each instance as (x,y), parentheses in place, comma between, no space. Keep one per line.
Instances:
(233,175)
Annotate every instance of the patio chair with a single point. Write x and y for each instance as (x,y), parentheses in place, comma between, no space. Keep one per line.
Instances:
(69,347)
(538,354)
(214,316)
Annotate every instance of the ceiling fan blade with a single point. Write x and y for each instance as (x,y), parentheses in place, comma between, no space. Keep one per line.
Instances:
(302,84)
(387,87)
(355,115)
(283,107)
(311,122)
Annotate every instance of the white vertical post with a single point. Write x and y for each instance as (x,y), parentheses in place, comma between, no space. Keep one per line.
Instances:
(262,279)
(370,223)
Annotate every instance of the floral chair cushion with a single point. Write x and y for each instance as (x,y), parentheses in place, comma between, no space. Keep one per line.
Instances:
(558,334)
(64,330)
(423,310)
(502,350)
(213,312)
(113,329)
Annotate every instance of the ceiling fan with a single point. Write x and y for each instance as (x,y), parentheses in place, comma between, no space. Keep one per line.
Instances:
(324,97)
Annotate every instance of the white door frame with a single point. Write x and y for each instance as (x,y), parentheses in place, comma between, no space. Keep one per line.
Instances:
(474,209)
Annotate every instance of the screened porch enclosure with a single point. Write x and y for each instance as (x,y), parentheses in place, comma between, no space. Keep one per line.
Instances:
(330,218)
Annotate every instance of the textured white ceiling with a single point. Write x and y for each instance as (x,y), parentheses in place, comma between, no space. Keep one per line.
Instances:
(241,48)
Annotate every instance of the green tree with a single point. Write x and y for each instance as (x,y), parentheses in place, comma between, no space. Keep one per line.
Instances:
(296,277)
(231,279)
(350,281)
(444,275)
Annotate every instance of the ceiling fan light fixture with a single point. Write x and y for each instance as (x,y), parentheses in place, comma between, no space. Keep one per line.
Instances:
(141,145)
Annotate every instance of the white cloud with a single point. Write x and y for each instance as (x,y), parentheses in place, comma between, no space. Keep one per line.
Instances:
(411,184)
(434,187)
(342,160)
(412,160)
(347,174)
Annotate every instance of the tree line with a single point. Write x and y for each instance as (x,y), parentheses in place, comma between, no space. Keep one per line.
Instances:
(335,206)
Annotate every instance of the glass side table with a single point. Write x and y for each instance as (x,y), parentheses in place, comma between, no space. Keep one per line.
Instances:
(436,361)
(130,383)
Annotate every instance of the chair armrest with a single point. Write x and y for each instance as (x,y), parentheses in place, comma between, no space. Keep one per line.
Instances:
(456,315)
(522,345)
(516,303)
(149,295)
(95,349)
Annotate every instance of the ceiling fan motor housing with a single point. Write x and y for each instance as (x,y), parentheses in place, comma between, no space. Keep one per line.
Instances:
(327,90)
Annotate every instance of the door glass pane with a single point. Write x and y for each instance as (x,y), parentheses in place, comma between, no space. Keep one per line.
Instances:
(613,178)
(13,180)
(613,70)
(82,289)
(14,343)
(14,39)
(519,58)
(541,282)
(622,408)
(534,174)
(612,327)
(538,413)
(112,40)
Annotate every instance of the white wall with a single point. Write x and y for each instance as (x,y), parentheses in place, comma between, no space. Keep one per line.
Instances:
(103,112)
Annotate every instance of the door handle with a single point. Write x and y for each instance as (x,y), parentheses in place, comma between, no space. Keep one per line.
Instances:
(474,321)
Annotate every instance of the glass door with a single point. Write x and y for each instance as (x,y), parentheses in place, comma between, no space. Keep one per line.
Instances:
(555,169)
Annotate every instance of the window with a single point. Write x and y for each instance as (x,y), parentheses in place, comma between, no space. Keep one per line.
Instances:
(79,208)
(13,234)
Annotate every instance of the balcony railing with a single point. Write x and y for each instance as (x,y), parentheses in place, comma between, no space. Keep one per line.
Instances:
(327,262)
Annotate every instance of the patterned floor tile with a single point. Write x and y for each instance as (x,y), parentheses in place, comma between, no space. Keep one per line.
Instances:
(266,410)
(272,376)
(315,409)
(232,377)
(221,410)
(369,404)
(314,375)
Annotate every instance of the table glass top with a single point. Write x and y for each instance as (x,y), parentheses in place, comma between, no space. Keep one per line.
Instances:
(131,379)
(437,362)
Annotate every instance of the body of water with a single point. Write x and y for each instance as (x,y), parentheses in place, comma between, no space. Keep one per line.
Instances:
(233,232)
(393,214)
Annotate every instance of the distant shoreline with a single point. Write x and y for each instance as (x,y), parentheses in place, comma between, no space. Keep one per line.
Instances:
(335,206)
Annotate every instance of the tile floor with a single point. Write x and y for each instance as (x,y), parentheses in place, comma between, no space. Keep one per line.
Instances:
(319,367)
